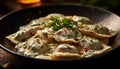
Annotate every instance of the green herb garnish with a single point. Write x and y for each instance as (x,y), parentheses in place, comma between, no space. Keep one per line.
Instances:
(97,26)
(58,24)
(92,41)
(69,47)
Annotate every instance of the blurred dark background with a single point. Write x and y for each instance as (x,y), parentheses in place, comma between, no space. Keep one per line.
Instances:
(9,5)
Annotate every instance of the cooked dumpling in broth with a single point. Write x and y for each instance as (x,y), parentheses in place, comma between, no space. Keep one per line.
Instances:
(57,36)
(96,30)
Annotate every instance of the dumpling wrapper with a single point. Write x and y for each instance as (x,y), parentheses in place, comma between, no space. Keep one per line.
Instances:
(64,56)
(22,35)
(89,30)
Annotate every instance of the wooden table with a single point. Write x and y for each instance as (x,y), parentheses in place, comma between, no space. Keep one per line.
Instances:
(4,59)
(7,61)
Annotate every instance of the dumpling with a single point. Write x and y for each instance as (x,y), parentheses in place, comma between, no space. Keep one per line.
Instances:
(91,46)
(96,30)
(32,46)
(82,19)
(65,51)
(22,35)
(66,35)
(45,34)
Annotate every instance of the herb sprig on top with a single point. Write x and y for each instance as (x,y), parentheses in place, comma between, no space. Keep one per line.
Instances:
(63,23)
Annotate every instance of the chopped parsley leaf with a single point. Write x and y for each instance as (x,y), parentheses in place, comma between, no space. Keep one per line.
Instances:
(58,24)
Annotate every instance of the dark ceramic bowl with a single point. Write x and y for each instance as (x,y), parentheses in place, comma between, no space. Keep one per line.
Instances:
(11,22)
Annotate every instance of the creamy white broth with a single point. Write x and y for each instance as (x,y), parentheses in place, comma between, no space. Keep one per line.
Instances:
(57,36)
